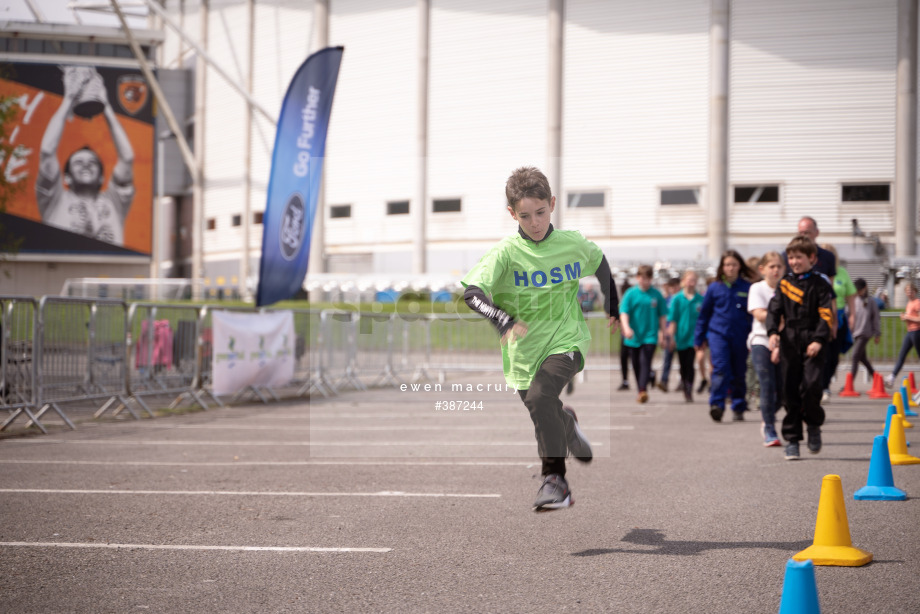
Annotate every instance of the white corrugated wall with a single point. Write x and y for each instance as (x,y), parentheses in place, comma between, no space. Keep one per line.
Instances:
(636,115)
(812,105)
(225,126)
(370,146)
(282,41)
(812,98)
(487,110)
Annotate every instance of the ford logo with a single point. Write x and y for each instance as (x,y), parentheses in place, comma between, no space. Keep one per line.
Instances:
(293,226)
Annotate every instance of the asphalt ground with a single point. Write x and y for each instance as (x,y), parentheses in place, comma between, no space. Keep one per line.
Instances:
(378,502)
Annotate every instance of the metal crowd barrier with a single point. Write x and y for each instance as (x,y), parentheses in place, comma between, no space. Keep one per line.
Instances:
(307,366)
(62,350)
(17,369)
(163,352)
(79,351)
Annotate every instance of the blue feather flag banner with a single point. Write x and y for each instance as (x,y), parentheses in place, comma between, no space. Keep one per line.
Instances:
(294,182)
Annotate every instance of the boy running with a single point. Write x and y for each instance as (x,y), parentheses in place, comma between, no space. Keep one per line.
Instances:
(527,286)
(805,300)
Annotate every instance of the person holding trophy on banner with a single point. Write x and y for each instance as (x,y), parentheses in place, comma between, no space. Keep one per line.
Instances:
(77,201)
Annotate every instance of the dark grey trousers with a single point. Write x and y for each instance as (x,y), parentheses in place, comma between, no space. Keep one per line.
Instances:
(542,401)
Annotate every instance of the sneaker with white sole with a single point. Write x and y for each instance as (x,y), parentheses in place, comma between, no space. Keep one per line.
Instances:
(825,396)
(889,380)
(554,494)
(792,451)
(575,439)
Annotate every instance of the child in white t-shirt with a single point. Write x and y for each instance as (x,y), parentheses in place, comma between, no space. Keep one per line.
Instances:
(771,269)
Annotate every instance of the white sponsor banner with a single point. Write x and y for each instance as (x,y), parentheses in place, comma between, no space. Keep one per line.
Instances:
(252,349)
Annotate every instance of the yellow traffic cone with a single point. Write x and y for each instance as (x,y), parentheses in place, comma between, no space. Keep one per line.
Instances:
(910,397)
(832,544)
(897,444)
(901,403)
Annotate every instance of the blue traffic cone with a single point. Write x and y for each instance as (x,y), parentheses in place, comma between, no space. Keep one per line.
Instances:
(907,403)
(800,592)
(880,484)
(892,411)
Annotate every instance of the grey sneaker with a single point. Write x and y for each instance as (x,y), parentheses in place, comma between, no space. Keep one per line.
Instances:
(792,450)
(554,494)
(575,439)
(814,440)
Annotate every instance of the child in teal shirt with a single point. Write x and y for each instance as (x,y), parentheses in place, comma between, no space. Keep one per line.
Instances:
(527,286)
(683,313)
(643,312)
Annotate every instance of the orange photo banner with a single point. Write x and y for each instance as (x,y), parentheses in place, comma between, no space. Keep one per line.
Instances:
(102,111)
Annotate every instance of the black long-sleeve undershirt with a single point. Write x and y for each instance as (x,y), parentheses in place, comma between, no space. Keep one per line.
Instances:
(477,300)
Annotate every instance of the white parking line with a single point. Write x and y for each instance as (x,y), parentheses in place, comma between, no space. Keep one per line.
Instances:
(267,463)
(446,427)
(421,444)
(188,547)
(247,493)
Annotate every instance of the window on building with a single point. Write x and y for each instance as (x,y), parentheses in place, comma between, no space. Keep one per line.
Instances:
(236,220)
(585,199)
(339,211)
(680,196)
(212,223)
(866,192)
(446,205)
(257,217)
(756,194)
(398,207)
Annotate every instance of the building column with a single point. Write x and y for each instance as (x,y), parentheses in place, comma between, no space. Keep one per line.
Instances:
(317,262)
(717,226)
(905,164)
(201,98)
(242,286)
(419,208)
(556,23)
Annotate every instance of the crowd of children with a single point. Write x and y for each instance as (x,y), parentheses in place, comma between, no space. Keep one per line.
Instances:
(774,328)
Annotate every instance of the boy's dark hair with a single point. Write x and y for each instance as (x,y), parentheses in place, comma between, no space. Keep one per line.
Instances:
(645,271)
(744,271)
(860,283)
(802,245)
(527,182)
(673,282)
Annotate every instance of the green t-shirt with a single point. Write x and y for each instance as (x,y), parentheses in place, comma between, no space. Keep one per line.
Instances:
(684,312)
(537,283)
(843,287)
(643,309)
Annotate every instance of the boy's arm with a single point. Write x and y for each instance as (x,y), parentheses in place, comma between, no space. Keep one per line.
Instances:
(827,314)
(608,288)
(477,300)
